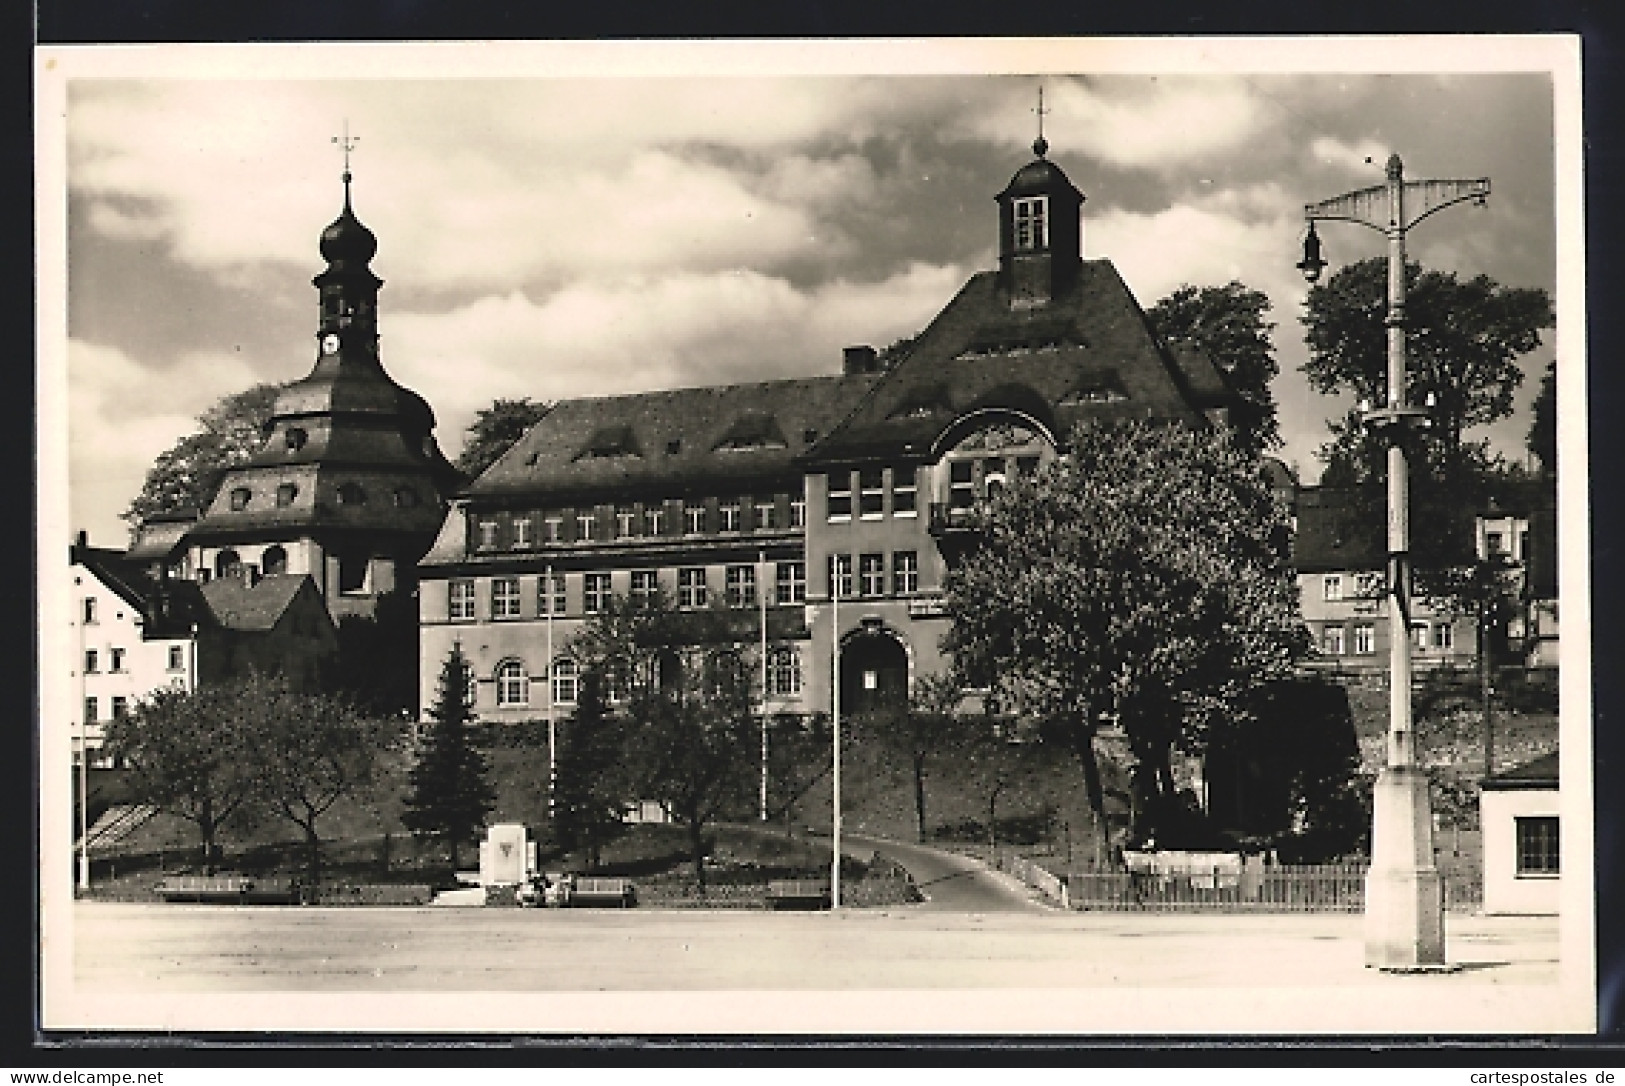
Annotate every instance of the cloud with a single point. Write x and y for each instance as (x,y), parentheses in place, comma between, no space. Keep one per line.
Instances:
(122,414)
(1362,158)
(604,338)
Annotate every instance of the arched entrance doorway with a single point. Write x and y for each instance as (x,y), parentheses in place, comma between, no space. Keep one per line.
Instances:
(874,673)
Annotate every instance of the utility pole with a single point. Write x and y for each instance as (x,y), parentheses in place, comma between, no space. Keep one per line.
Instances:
(1404,902)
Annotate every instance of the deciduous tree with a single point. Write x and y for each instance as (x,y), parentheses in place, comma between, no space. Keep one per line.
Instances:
(1542,438)
(183,752)
(1229,323)
(1143,577)
(494,431)
(186,475)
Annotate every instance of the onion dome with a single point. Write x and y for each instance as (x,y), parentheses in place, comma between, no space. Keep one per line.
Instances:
(346,241)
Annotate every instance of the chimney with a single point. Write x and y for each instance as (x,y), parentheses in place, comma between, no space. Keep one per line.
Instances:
(84,538)
(862,359)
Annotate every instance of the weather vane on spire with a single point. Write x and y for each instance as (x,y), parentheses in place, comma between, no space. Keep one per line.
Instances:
(1040,145)
(347,142)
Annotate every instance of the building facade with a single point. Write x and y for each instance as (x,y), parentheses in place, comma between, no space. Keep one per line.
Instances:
(824,511)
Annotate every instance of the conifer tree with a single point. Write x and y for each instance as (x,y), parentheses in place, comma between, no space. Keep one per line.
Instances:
(449,793)
(592,791)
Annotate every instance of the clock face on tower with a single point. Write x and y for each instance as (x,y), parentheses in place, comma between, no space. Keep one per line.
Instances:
(330,343)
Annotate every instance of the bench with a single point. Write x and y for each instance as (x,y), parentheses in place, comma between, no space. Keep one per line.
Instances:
(601,891)
(797,894)
(205,888)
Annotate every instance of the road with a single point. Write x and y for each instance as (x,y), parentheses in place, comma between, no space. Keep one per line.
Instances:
(953,883)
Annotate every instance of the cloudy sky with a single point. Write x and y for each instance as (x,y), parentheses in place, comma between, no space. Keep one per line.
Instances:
(561,234)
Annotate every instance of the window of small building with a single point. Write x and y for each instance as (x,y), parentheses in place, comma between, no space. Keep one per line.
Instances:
(1331,586)
(1331,641)
(872,574)
(93,662)
(1031,215)
(691,587)
(513,684)
(90,711)
(115,660)
(461,606)
(89,611)
(741,586)
(872,493)
(274,560)
(905,572)
(121,707)
(286,493)
(505,597)
(790,583)
(596,593)
(1537,844)
(177,658)
(1444,635)
(1365,639)
(240,497)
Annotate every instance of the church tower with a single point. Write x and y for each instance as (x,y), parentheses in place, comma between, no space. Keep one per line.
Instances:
(1040,242)
(349,486)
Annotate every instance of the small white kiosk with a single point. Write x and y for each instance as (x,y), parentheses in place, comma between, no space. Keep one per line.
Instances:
(1518,812)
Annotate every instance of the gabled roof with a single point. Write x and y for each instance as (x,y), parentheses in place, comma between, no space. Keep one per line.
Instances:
(236,604)
(1540,772)
(169,608)
(667,442)
(1336,531)
(1088,354)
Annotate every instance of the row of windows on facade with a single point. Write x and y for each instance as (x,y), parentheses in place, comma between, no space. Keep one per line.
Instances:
(1334,640)
(968,479)
(635,521)
(693,587)
(512,680)
(347,494)
(120,707)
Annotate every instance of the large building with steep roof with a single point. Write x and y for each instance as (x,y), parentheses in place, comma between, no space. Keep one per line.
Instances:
(348,487)
(774,496)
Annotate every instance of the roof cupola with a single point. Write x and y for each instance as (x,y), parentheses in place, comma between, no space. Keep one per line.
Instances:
(1040,237)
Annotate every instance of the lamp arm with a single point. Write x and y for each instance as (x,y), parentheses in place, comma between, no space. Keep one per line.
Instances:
(1438,195)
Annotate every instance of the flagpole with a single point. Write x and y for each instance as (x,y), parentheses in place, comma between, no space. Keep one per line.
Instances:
(761,596)
(552,738)
(835,715)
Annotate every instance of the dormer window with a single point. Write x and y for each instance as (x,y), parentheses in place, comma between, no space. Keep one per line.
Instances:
(406,497)
(1031,222)
(295,438)
(286,493)
(352,494)
(240,497)
(752,430)
(608,442)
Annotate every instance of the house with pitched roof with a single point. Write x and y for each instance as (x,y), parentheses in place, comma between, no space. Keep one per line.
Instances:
(823,510)
(138,630)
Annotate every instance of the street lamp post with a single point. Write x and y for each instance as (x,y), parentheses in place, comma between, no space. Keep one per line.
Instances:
(1404,904)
